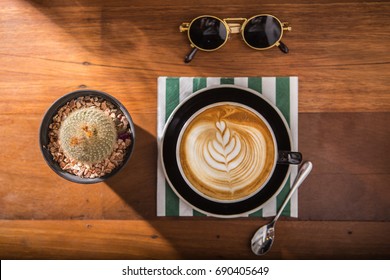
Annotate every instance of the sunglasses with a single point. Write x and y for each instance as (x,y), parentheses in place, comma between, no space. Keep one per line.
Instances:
(209,33)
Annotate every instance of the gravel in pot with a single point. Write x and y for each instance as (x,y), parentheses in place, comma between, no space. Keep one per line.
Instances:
(87,136)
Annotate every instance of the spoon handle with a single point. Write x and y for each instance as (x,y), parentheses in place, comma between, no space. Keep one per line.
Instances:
(305,169)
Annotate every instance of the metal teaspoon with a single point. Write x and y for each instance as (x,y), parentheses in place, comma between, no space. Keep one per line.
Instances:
(263,238)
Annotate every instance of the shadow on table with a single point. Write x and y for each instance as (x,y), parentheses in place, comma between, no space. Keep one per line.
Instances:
(122,38)
(116,35)
(139,197)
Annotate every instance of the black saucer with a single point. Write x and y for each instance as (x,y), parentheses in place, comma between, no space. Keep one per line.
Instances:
(189,107)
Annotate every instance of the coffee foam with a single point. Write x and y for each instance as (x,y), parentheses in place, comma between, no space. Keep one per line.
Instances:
(226,152)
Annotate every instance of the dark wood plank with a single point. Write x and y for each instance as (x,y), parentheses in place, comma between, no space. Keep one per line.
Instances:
(349,180)
(351,173)
(157,239)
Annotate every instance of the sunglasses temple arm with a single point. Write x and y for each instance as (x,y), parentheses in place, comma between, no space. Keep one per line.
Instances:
(190,55)
(283,47)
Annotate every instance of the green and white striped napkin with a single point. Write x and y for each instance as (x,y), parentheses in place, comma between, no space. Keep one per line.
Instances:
(281,91)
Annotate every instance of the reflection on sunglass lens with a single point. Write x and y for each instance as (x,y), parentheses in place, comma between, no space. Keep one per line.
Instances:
(262,31)
(207,33)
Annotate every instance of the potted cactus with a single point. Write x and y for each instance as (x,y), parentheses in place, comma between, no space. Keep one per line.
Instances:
(87,136)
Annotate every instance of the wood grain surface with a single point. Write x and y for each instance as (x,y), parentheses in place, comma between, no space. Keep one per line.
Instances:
(170,239)
(338,49)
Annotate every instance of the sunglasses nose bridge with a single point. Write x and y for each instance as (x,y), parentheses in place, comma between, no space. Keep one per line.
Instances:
(234,25)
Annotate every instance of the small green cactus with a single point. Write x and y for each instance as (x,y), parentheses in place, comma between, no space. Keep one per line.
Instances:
(88,135)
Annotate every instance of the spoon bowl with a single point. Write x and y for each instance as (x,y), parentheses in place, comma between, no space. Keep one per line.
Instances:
(263,239)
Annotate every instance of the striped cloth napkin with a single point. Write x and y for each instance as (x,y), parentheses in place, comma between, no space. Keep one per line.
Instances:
(281,91)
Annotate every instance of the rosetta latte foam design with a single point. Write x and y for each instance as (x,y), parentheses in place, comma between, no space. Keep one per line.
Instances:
(226,152)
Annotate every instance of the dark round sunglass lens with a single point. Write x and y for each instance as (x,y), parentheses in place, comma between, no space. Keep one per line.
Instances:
(262,32)
(207,33)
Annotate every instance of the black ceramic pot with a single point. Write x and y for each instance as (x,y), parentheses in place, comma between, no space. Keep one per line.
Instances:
(48,118)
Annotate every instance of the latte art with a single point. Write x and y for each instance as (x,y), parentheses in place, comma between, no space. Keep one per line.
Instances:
(226,152)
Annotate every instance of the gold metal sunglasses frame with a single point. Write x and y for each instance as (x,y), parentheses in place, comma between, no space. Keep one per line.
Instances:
(233,26)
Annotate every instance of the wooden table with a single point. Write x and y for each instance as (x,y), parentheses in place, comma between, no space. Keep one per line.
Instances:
(339,49)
